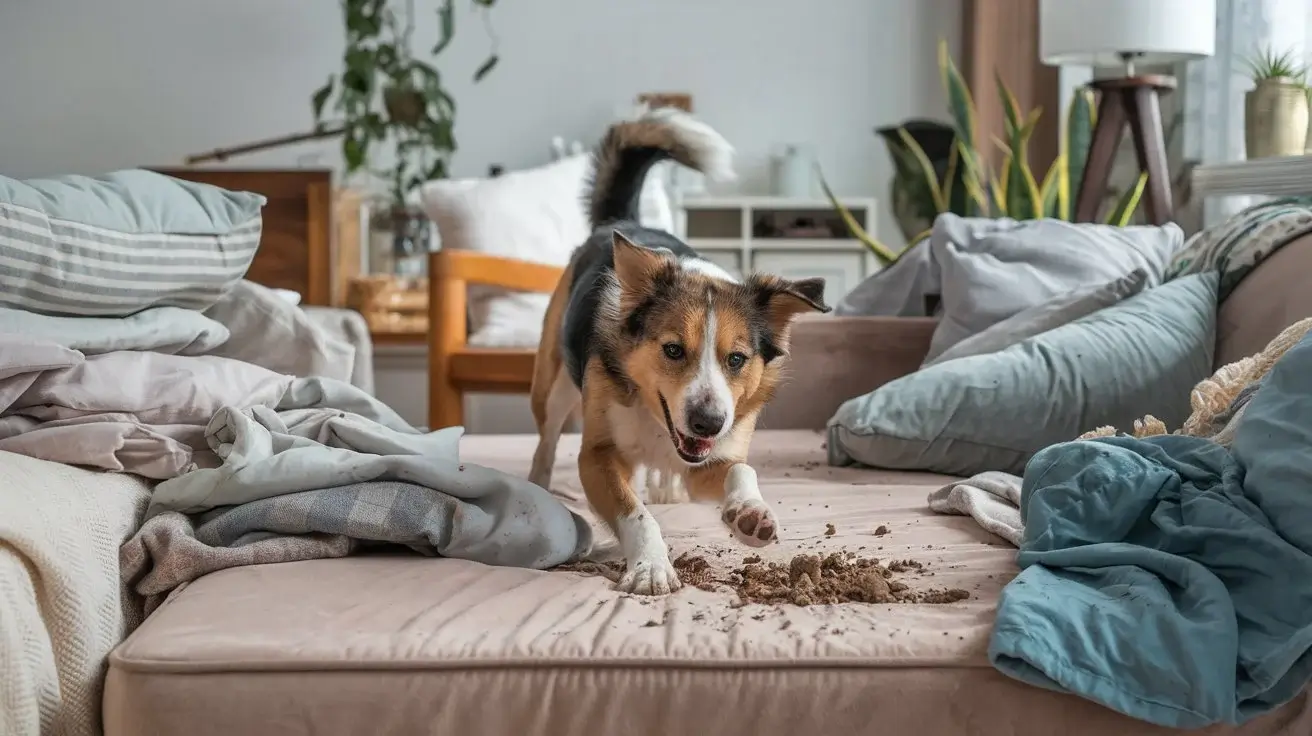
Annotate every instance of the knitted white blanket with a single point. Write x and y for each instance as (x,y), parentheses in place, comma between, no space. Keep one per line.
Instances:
(62,606)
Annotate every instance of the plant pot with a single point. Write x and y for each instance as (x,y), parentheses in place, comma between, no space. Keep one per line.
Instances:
(1275,119)
(913,206)
(1307,146)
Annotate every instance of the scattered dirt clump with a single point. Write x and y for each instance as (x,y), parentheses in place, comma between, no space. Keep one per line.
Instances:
(951,595)
(881,530)
(694,570)
(810,580)
(805,580)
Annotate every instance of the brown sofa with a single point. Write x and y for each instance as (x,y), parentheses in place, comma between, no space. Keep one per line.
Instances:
(397,644)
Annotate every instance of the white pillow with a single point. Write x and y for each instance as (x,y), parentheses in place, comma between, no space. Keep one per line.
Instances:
(531,215)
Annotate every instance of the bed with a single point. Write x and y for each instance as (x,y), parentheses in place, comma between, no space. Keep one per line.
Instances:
(393,644)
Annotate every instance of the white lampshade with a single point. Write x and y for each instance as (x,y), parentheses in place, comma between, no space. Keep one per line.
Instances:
(1097,32)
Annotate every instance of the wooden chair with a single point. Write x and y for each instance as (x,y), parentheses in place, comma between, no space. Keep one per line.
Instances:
(454,367)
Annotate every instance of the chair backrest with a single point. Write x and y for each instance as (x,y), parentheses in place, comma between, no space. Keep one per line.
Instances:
(454,367)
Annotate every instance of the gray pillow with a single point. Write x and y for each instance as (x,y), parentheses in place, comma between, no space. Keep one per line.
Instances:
(1049,315)
(994,411)
(113,245)
(991,269)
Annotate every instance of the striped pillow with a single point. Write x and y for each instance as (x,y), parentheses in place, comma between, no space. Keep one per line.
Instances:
(113,245)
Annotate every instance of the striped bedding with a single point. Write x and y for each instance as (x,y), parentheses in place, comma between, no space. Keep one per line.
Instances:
(116,245)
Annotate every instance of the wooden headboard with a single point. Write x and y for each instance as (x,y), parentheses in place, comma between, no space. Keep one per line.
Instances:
(296,246)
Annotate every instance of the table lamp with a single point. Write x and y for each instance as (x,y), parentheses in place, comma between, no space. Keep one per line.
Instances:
(1124,34)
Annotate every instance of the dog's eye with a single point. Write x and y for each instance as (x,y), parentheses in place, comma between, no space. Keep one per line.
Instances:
(673,350)
(736,361)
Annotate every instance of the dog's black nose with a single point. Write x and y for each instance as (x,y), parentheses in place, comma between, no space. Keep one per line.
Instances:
(705,422)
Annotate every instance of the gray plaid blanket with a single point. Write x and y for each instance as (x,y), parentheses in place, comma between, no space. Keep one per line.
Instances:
(313,483)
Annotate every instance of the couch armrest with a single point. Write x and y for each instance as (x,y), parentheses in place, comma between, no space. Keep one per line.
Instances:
(833,359)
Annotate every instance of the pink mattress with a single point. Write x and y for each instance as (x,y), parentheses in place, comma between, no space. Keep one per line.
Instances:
(403,645)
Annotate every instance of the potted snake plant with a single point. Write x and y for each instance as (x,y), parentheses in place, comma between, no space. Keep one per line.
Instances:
(1276,108)
(938,168)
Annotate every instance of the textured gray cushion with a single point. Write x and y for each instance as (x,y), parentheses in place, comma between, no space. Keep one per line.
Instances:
(1049,315)
(991,269)
(113,245)
(992,412)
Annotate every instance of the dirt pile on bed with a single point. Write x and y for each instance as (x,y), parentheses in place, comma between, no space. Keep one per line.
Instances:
(805,580)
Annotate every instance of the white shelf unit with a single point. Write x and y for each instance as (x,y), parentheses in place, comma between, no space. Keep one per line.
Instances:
(728,230)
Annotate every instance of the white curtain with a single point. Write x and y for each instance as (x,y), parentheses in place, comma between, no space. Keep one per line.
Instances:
(1213,89)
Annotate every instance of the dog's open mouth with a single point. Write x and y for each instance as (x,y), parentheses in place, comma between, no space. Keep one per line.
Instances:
(691,450)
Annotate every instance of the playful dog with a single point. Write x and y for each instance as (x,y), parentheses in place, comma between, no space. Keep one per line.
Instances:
(671,358)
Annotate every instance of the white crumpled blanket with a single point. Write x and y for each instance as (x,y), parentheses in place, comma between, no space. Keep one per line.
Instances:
(62,605)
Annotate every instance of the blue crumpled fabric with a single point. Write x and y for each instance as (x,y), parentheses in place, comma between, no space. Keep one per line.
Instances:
(1169,578)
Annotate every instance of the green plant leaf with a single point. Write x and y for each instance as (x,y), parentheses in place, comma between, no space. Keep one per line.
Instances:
(882,252)
(1128,203)
(926,169)
(960,103)
(973,181)
(1024,201)
(1080,120)
(998,189)
(320,98)
(949,184)
(1010,106)
(1053,189)
(486,68)
(962,109)
(446,22)
(352,151)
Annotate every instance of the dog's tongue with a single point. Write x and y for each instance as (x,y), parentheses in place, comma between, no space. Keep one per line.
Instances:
(695,446)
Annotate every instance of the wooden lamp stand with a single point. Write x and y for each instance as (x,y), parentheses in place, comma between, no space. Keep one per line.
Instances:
(1134,101)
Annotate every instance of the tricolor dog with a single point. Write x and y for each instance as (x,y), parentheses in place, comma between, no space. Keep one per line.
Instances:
(670,357)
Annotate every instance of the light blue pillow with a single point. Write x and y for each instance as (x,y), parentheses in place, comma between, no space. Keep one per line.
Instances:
(994,411)
(113,245)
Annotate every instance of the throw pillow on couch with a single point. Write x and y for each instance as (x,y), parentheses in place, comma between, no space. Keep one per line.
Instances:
(994,411)
(982,271)
(991,269)
(113,245)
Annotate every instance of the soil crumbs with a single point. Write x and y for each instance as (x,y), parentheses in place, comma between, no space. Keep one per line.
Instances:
(806,580)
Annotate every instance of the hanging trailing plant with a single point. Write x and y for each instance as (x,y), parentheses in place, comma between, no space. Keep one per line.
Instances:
(384,94)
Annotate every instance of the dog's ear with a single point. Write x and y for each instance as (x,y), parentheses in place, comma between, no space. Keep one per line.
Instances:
(781,300)
(636,267)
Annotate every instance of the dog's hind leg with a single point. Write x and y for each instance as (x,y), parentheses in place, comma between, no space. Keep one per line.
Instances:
(553,396)
(561,401)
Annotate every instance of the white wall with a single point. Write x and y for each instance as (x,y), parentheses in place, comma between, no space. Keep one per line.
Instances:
(92,85)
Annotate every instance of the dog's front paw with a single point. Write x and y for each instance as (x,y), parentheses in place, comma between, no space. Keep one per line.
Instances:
(650,576)
(752,523)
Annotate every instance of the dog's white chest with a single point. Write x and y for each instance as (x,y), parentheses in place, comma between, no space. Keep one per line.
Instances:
(643,440)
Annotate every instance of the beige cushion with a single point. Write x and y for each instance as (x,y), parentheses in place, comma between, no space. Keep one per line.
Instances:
(404,645)
(1273,296)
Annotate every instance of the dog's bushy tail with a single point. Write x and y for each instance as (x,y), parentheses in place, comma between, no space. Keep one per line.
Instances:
(632,147)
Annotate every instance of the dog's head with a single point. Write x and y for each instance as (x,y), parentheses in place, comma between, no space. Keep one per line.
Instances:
(704,354)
